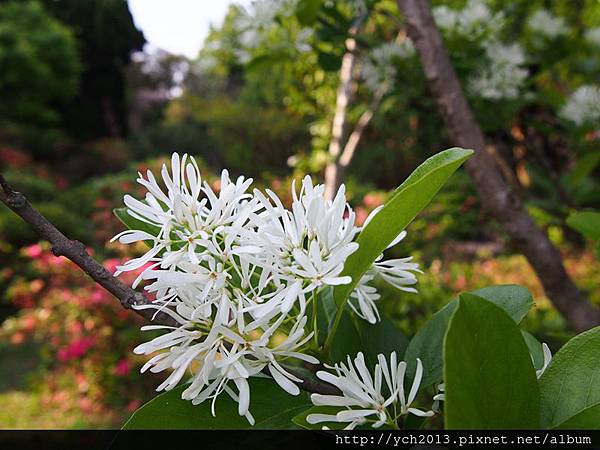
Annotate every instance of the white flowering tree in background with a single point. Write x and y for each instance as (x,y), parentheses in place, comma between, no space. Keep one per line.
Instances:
(265,315)
(348,64)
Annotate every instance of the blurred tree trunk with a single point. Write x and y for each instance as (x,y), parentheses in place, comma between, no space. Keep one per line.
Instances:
(342,149)
(496,196)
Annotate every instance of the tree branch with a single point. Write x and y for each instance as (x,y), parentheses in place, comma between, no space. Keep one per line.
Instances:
(496,196)
(341,106)
(356,135)
(76,252)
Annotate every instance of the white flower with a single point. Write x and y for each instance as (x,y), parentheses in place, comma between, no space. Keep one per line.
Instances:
(583,106)
(379,68)
(366,398)
(503,77)
(235,271)
(547,358)
(472,21)
(546,24)
(362,299)
(439,397)
(200,268)
(308,244)
(593,36)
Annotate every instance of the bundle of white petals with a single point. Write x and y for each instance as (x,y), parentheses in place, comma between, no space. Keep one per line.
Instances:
(365,398)
(236,271)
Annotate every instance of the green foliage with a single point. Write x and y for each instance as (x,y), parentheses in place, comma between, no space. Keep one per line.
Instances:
(39,61)
(570,386)
(428,343)
(489,378)
(272,408)
(404,204)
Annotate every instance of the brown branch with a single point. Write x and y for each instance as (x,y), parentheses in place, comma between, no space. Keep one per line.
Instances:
(344,92)
(76,252)
(496,195)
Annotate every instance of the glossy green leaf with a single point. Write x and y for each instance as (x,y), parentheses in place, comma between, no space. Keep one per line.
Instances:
(427,344)
(405,203)
(272,408)
(489,377)
(571,383)
(515,300)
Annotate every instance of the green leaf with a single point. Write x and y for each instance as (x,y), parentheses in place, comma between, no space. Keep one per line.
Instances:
(587,223)
(347,340)
(307,11)
(427,344)
(272,408)
(489,377)
(535,349)
(515,300)
(135,224)
(587,419)
(382,337)
(405,203)
(571,383)
(584,167)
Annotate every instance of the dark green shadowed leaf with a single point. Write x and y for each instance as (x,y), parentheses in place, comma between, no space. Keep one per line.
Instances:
(587,223)
(347,340)
(307,11)
(489,378)
(272,408)
(570,386)
(428,344)
(382,337)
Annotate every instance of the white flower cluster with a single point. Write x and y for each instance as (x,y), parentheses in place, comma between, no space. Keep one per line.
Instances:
(253,25)
(593,36)
(471,21)
(236,271)
(379,69)
(380,399)
(545,23)
(583,106)
(503,77)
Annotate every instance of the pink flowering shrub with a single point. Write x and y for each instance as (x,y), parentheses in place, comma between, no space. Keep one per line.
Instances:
(85,339)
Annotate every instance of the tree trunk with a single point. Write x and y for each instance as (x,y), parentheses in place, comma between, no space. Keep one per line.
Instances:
(332,172)
(496,195)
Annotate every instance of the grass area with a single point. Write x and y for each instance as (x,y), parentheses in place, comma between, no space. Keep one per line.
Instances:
(16,362)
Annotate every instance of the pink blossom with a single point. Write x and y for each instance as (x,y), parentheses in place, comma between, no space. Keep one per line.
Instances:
(122,368)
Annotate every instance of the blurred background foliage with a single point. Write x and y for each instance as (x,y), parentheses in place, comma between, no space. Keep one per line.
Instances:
(85,105)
